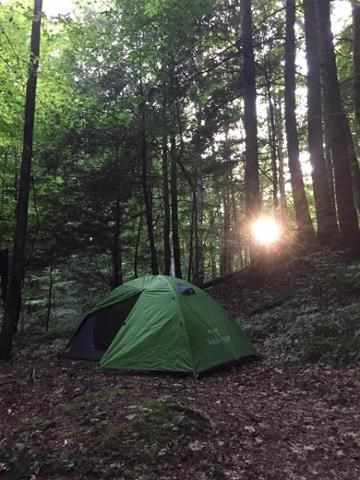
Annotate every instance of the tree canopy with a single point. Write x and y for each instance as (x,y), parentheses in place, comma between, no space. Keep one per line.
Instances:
(163,127)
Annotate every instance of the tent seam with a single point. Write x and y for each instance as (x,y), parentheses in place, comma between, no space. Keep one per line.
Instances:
(183,323)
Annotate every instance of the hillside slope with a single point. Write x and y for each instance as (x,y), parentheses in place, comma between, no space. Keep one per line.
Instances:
(308,310)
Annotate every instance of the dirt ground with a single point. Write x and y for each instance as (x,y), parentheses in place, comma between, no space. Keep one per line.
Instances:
(64,420)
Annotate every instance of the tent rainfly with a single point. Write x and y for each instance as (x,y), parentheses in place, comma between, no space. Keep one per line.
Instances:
(159,323)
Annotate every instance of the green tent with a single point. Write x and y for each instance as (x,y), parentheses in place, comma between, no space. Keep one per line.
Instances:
(159,323)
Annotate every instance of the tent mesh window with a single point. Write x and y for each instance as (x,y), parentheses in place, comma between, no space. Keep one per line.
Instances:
(95,334)
(185,289)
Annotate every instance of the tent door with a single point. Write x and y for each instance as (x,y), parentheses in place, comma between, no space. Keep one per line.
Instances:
(93,337)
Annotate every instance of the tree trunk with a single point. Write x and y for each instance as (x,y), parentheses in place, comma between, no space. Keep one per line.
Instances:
(146,191)
(136,253)
(302,214)
(166,204)
(49,301)
(174,211)
(237,249)
(18,257)
(225,259)
(198,249)
(272,141)
(326,219)
(213,265)
(279,148)
(329,168)
(356,58)
(4,274)
(252,192)
(354,167)
(337,133)
(191,244)
(117,278)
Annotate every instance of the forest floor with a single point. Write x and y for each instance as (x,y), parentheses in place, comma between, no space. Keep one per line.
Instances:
(280,417)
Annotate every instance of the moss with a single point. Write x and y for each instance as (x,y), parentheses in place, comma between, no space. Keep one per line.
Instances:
(172,417)
(91,400)
(160,422)
(109,439)
(154,427)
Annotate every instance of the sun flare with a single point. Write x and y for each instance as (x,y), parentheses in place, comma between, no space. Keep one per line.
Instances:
(266,230)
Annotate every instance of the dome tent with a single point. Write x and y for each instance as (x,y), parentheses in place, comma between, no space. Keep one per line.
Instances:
(159,323)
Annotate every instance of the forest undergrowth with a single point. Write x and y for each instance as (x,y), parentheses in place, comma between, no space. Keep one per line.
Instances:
(291,414)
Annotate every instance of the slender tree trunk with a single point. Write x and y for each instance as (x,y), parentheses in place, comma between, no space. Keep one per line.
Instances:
(252,191)
(3,184)
(225,251)
(117,278)
(279,148)
(198,250)
(356,58)
(354,167)
(272,140)
(175,160)
(237,250)
(174,211)
(146,190)
(272,136)
(136,254)
(329,168)
(18,257)
(338,135)
(4,274)
(166,204)
(190,271)
(302,214)
(194,236)
(49,300)
(326,219)
(213,265)
(16,176)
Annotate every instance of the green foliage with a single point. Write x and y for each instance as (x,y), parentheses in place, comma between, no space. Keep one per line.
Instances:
(320,322)
(333,337)
(182,63)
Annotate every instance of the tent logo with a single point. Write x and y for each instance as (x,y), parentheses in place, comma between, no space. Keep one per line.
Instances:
(216,338)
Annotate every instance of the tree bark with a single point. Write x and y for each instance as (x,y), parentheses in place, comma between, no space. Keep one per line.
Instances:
(279,148)
(337,134)
(356,58)
(146,191)
(302,214)
(117,278)
(166,204)
(237,250)
(49,300)
(136,253)
(225,258)
(354,167)
(326,219)
(272,141)
(174,211)
(4,274)
(18,257)
(329,168)
(252,191)
(198,248)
